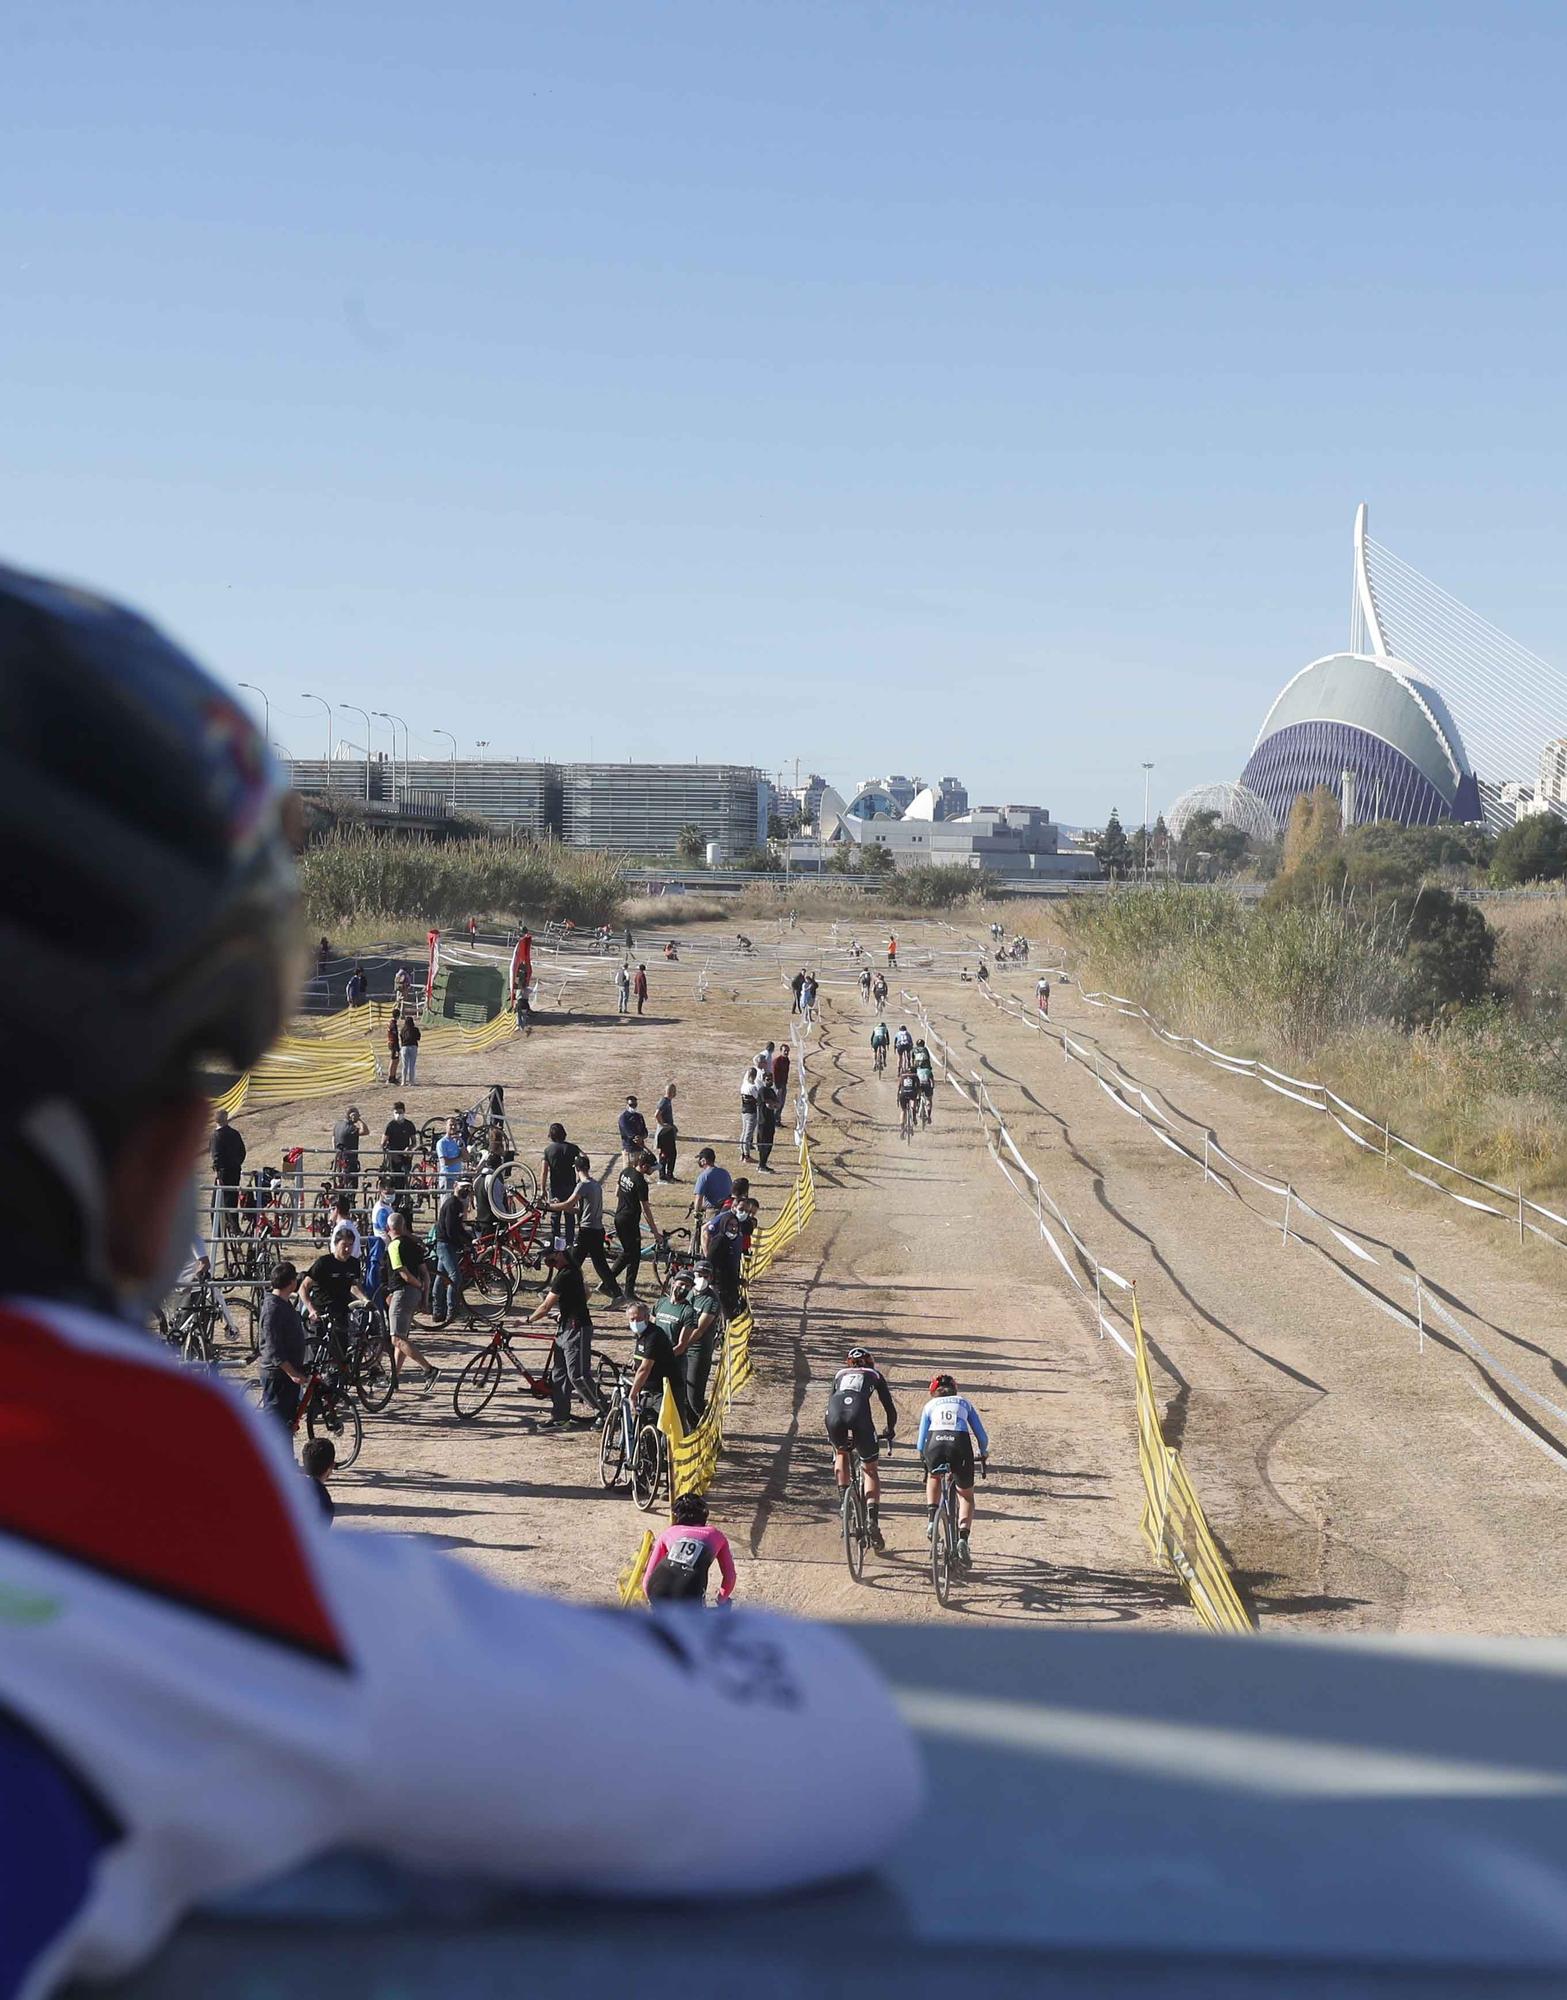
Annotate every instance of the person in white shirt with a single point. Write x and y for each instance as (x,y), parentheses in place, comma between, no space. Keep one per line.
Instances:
(750,1091)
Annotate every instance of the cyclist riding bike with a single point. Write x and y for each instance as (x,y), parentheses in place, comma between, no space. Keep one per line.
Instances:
(155,1535)
(908,1099)
(903,1047)
(681,1560)
(924,1078)
(949,1429)
(879,1041)
(851,1424)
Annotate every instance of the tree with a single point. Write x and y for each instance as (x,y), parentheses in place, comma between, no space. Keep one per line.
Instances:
(691,842)
(1112,850)
(1534,850)
(1449,950)
(1313,831)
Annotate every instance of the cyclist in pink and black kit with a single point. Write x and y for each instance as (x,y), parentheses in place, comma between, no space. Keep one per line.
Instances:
(682,1558)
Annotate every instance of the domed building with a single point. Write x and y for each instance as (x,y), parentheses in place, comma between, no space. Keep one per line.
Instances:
(1375,733)
(1234,805)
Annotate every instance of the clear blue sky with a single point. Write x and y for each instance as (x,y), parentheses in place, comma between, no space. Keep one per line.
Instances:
(943,387)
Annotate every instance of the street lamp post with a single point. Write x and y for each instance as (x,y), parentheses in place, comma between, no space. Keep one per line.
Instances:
(407,751)
(1147,830)
(328,707)
(452,740)
(266,708)
(366,720)
(390,720)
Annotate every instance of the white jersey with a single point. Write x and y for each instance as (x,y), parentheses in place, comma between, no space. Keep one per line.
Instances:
(202,1685)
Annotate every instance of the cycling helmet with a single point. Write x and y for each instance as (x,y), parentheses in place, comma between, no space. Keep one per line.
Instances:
(149,856)
(689,1511)
(943,1385)
(862,1356)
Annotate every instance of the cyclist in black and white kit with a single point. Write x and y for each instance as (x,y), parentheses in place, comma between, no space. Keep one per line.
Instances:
(851,1423)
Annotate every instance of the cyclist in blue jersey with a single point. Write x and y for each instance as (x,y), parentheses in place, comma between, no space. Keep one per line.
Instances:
(949,1429)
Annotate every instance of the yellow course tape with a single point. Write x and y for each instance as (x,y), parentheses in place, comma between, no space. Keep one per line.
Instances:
(1174,1525)
(694,1454)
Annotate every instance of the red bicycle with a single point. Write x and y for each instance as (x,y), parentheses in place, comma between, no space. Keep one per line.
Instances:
(481,1373)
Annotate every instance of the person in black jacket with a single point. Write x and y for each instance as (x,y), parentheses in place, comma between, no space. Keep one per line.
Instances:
(451,1240)
(228,1158)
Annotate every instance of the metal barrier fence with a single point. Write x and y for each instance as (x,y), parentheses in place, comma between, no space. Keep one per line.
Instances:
(1204,1151)
(1374,1135)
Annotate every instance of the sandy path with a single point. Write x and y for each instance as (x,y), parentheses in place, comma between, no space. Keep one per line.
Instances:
(1354,1479)
(911,1250)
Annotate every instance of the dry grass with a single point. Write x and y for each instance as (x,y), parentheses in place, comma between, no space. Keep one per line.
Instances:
(1486,1087)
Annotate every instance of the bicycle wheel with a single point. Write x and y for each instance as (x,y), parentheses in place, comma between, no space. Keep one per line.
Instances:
(496,1289)
(647,1467)
(524,1184)
(607,1376)
(658,1257)
(853,1532)
(339,1420)
(478,1382)
(612,1446)
(941,1550)
(196,1343)
(375,1368)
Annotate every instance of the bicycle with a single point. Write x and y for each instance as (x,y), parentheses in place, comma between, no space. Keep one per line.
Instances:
(879,1052)
(907,1112)
(192,1332)
(944,1537)
(480,1375)
(618,1432)
(485,1287)
(327,1409)
(925,1102)
(369,1357)
(856,1516)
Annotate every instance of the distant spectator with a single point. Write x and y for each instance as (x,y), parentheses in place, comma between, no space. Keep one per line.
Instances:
(284,1354)
(795,985)
(766,1122)
(318,1461)
(398,1141)
(409,1035)
(639,987)
(633,1129)
(358,988)
(622,987)
(713,1188)
(228,1160)
(392,1046)
(448,1153)
(665,1133)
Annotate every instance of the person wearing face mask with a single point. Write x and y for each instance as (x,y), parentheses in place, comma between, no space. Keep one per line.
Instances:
(160,1521)
(657,1364)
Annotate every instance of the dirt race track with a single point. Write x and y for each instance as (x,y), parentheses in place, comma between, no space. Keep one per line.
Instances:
(1353,1479)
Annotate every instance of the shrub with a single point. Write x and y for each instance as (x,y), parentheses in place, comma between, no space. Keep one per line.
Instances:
(358,875)
(1534,850)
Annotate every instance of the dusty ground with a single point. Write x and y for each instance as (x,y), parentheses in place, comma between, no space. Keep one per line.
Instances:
(1354,1480)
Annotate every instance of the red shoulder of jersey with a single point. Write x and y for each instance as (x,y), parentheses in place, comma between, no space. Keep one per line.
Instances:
(150,1476)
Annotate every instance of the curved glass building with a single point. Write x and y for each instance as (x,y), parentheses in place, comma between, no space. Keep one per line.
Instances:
(1234,805)
(1380,738)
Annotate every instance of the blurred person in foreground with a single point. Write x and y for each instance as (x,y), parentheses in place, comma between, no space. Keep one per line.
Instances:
(199,1615)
